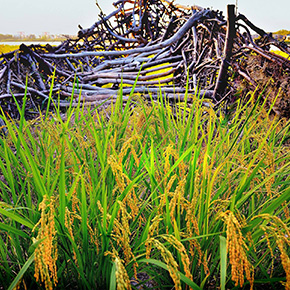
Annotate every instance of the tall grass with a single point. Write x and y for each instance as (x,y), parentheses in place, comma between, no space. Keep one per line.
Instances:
(146,195)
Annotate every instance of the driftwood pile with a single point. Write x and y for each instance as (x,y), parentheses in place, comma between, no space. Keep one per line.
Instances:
(163,42)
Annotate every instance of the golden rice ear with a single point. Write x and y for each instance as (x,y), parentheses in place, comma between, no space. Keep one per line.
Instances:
(122,277)
(46,251)
(285,260)
(236,247)
(182,251)
(280,232)
(177,198)
(169,261)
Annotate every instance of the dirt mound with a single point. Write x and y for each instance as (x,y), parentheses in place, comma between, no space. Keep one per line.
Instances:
(272,79)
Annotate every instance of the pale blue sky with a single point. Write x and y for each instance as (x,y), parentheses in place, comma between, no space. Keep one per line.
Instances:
(63,16)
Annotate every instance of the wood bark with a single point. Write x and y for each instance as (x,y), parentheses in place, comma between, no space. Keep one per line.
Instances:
(222,79)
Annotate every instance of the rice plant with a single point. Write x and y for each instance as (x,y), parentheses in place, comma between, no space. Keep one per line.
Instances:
(155,195)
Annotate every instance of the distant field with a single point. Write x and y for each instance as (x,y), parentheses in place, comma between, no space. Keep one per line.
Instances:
(7,48)
(10,46)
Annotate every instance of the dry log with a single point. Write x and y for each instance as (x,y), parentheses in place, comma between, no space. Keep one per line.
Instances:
(161,42)
(189,23)
(222,79)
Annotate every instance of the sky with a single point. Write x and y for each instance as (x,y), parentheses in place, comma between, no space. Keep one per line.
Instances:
(64,16)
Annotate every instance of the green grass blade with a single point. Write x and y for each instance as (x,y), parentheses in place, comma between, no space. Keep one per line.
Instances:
(113,284)
(10,229)
(223,262)
(17,218)
(162,265)
(21,272)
